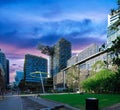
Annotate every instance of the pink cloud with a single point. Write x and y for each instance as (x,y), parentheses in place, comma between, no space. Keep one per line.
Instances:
(12,76)
(16,57)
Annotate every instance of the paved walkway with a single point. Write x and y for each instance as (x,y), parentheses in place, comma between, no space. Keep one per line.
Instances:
(49,104)
(16,102)
(11,103)
(114,107)
(31,105)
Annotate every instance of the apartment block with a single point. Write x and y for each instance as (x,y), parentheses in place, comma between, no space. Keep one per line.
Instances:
(113,28)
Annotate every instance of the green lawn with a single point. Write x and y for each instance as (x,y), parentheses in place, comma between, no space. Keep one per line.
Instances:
(78,100)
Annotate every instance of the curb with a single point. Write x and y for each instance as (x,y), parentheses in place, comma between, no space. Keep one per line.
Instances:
(65,105)
(61,105)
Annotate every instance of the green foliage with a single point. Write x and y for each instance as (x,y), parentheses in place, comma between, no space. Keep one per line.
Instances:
(72,77)
(112,11)
(102,82)
(97,66)
(22,84)
(115,49)
(116,82)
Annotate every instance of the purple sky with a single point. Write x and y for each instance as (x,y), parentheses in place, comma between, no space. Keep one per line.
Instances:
(26,23)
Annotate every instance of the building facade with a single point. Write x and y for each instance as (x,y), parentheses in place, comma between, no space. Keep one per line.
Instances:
(62,52)
(33,66)
(3,62)
(72,60)
(4,65)
(83,62)
(58,55)
(19,76)
(85,53)
(113,25)
(7,73)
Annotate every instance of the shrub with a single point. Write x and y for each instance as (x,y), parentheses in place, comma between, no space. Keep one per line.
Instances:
(100,82)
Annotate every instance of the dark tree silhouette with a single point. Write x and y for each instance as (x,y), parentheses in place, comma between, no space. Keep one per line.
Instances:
(2,84)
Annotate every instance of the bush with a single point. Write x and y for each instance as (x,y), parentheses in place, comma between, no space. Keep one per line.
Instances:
(100,82)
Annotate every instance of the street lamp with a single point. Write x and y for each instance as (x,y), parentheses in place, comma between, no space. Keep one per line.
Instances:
(39,72)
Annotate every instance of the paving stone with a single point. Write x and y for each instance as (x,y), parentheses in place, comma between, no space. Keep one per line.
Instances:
(30,104)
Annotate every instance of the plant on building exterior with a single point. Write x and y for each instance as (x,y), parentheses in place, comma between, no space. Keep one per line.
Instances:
(97,66)
(72,78)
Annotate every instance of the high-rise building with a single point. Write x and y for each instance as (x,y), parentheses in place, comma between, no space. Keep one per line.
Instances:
(19,77)
(62,52)
(4,67)
(7,73)
(3,61)
(59,54)
(113,25)
(33,65)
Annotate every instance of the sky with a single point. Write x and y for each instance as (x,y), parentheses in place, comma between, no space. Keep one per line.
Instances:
(26,23)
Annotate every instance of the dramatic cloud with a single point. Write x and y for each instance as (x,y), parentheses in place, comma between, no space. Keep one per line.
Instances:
(26,23)
(78,32)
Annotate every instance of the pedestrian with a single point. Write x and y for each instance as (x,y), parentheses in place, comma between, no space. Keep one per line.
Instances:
(2,84)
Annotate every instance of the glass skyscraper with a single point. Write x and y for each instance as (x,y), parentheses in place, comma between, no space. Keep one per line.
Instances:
(19,76)
(58,54)
(3,62)
(32,66)
(4,65)
(62,52)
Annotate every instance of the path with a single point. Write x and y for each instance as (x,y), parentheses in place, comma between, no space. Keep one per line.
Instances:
(11,103)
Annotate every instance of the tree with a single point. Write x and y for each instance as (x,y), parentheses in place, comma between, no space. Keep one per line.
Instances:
(2,81)
(22,84)
(112,11)
(2,84)
(116,82)
(115,50)
(100,82)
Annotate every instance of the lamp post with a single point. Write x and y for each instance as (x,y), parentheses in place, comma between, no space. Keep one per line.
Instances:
(38,72)
(42,83)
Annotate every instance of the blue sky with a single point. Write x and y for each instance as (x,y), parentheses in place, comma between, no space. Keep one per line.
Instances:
(26,23)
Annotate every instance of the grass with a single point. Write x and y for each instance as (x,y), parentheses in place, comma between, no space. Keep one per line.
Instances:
(78,100)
